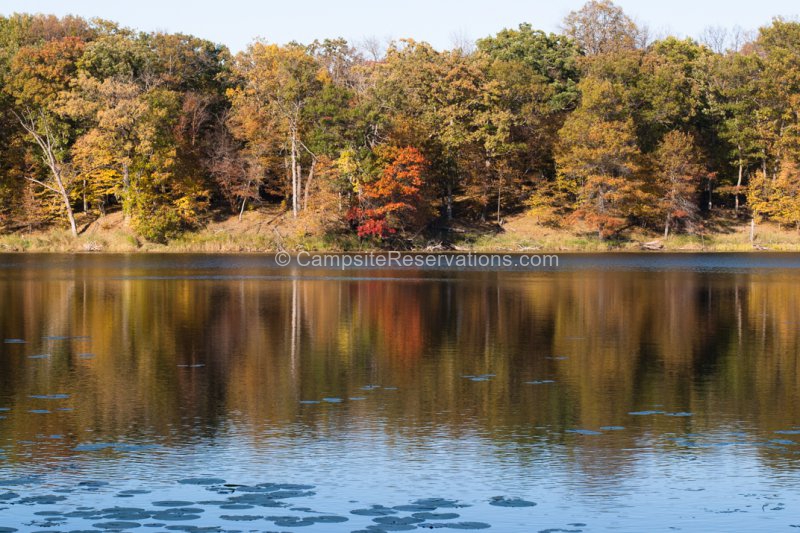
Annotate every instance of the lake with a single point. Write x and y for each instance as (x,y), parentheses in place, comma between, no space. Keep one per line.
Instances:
(226,393)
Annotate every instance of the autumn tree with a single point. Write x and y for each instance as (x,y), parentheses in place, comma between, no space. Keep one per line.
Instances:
(601,27)
(599,162)
(679,171)
(39,74)
(277,85)
(393,200)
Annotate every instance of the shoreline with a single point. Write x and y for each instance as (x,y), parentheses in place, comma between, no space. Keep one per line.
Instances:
(264,232)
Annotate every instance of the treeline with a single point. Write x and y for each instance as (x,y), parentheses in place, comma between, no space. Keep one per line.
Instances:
(601,126)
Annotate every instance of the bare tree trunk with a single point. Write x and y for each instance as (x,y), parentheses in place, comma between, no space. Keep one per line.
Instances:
(752,230)
(739,183)
(666,227)
(241,211)
(45,140)
(499,197)
(126,185)
(70,214)
(309,179)
(295,184)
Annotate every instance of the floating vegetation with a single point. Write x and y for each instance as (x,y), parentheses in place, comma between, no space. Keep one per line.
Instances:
(375,510)
(482,377)
(202,481)
(47,499)
(117,525)
(66,338)
(414,508)
(179,514)
(397,520)
(241,518)
(172,503)
(93,484)
(440,503)
(427,515)
(504,501)
(587,432)
(456,525)
(27,480)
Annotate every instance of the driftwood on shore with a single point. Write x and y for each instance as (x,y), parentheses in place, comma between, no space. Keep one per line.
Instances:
(653,245)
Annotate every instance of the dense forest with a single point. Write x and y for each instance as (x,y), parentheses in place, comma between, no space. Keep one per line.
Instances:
(602,126)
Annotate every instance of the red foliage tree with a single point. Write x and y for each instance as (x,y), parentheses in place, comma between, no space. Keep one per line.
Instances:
(390,202)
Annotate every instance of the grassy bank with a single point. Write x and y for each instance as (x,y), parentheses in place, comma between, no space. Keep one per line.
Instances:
(269,231)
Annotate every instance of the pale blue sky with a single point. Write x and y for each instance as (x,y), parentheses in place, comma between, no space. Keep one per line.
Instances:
(237,22)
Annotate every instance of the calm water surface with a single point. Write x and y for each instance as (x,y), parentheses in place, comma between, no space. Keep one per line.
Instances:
(223,393)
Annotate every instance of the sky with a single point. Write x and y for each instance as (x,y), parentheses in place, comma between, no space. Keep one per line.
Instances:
(440,22)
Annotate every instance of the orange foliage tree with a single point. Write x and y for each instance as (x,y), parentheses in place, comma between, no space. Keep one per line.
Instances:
(394,199)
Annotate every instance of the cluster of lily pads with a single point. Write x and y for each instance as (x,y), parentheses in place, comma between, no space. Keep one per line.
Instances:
(243,504)
(336,399)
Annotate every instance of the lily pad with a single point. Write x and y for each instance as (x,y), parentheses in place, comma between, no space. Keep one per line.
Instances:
(457,525)
(46,499)
(440,503)
(587,432)
(397,520)
(375,510)
(202,481)
(172,503)
(503,501)
(436,516)
(241,518)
